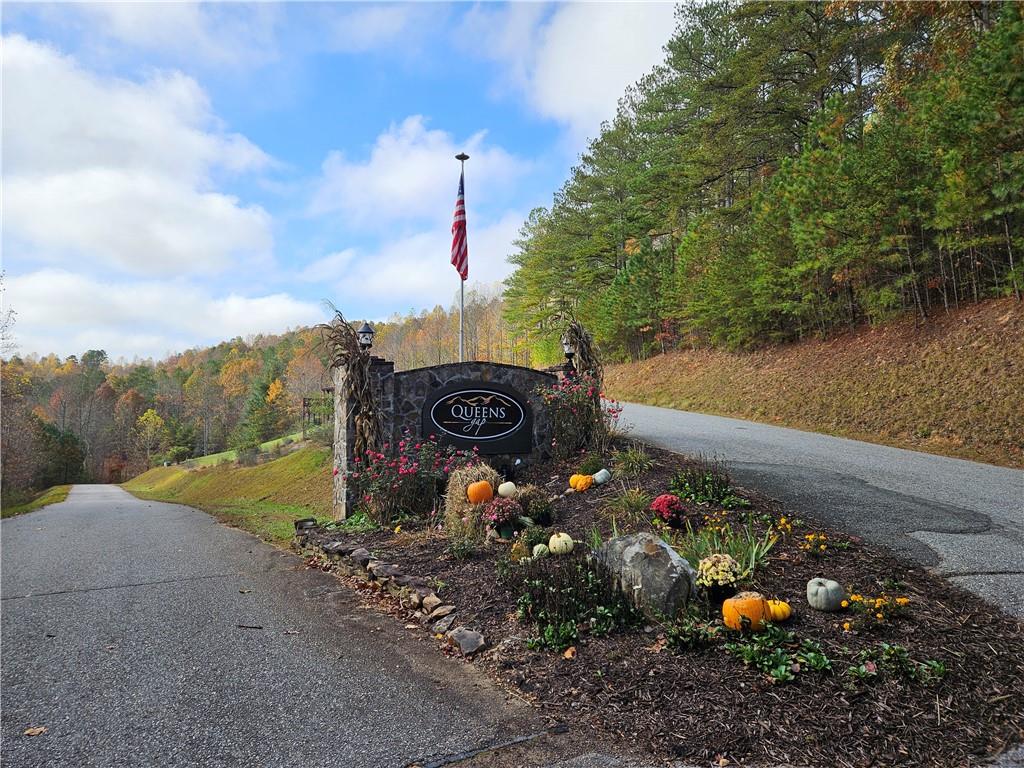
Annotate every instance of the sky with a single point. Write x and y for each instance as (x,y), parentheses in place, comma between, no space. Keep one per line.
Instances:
(177,174)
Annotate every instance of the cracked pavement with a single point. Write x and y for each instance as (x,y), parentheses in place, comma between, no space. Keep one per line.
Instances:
(963,519)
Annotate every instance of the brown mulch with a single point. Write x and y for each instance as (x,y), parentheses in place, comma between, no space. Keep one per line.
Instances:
(703,706)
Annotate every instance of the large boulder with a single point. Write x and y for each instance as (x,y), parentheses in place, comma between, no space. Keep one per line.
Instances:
(650,573)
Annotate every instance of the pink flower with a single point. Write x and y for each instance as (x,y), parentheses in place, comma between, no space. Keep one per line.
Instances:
(335,472)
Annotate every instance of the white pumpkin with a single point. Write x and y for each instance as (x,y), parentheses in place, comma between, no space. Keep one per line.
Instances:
(825,594)
(541,550)
(560,544)
(507,490)
(602,477)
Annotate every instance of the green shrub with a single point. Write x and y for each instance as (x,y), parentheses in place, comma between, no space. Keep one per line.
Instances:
(404,479)
(691,632)
(581,419)
(779,654)
(632,462)
(591,464)
(462,547)
(745,546)
(536,505)
(534,535)
(886,658)
(632,504)
(706,481)
(566,596)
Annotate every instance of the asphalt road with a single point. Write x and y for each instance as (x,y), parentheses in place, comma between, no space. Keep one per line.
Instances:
(961,518)
(121,635)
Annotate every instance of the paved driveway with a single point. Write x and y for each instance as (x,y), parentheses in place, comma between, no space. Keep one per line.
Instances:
(962,518)
(125,634)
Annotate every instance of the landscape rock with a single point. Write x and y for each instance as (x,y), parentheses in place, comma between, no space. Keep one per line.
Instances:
(384,570)
(650,573)
(440,612)
(442,626)
(361,557)
(466,640)
(338,548)
(430,602)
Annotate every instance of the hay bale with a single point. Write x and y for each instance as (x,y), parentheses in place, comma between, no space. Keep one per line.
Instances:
(462,518)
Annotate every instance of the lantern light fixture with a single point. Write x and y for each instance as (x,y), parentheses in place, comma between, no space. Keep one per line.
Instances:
(365,336)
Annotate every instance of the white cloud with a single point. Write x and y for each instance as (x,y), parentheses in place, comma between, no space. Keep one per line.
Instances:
(232,34)
(67,313)
(411,174)
(118,173)
(416,271)
(575,64)
(331,267)
(358,29)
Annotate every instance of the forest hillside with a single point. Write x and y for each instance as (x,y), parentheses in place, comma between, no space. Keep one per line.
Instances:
(790,170)
(952,386)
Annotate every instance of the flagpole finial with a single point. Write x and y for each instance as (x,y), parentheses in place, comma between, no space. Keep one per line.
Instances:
(462,156)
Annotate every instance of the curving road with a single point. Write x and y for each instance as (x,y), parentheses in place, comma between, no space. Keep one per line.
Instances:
(962,518)
(146,634)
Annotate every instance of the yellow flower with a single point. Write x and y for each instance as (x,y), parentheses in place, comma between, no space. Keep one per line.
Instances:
(845,603)
(879,616)
(856,598)
(846,626)
(821,547)
(902,600)
(398,529)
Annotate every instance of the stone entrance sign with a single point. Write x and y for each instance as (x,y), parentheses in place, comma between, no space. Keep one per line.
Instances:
(493,418)
(492,407)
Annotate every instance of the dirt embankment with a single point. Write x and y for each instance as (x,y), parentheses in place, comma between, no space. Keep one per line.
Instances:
(954,386)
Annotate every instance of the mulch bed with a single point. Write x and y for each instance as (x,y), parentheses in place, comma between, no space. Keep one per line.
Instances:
(705,706)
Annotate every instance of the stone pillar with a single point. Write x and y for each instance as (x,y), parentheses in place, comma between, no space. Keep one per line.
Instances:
(382,382)
(344,437)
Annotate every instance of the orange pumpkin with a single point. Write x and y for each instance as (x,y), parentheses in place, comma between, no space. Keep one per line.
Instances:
(746,611)
(584,482)
(480,492)
(573,480)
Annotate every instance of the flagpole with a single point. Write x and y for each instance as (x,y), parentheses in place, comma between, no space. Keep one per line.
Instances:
(462,157)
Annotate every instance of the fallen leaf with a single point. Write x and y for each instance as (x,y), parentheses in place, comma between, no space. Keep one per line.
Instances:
(570,652)
(245,591)
(291,631)
(658,645)
(250,626)
(37,730)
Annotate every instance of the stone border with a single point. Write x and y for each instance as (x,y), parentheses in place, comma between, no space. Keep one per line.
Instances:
(411,591)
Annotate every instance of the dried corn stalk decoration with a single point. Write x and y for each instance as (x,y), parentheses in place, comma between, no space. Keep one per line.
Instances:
(340,340)
(587,359)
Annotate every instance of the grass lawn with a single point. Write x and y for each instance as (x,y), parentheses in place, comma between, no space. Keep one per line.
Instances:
(264,500)
(214,459)
(53,495)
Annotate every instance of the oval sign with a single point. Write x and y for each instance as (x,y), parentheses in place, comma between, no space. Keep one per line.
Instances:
(477,414)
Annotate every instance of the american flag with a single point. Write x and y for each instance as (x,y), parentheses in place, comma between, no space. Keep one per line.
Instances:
(460,249)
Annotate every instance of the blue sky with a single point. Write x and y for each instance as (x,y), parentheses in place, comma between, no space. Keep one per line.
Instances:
(176,174)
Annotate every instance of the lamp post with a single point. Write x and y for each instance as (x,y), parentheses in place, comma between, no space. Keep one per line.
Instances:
(570,352)
(365,335)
